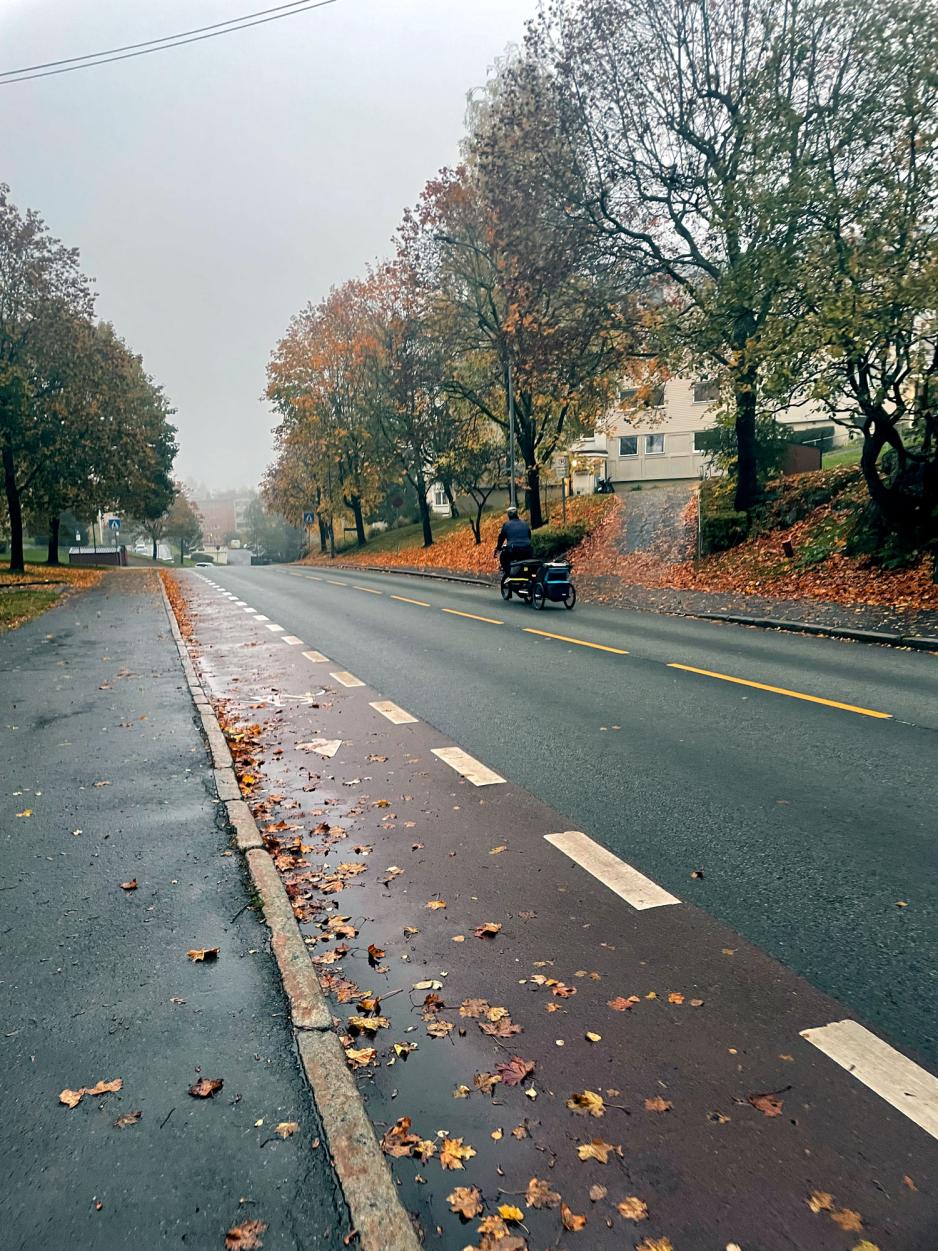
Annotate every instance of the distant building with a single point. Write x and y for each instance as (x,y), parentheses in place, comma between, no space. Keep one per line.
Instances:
(221,517)
(668,439)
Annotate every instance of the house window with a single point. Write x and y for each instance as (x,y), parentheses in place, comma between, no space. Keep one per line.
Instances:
(627,393)
(628,445)
(656,399)
(706,392)
(654,444)
(439,497)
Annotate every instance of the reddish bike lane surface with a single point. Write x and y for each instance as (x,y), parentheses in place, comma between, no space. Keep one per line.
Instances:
(719,1123)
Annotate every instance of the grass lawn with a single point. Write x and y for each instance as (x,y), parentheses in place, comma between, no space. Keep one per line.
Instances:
(409,536)
(848,455)
(18,607)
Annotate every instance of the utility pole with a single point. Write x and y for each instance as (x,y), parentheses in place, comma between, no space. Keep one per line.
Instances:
(513,499)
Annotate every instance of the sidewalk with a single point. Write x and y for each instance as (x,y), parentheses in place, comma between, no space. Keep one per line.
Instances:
(106,780)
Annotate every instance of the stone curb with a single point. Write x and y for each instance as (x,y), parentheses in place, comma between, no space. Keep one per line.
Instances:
(377,1214)
(882,637)
(407,573)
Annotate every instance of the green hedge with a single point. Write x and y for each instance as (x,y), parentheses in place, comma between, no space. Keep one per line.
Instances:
(550,541)
(719,531)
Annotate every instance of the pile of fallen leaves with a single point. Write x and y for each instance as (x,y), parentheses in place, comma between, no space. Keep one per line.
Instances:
(459,551)
(75,576)
(178,602)
(759,566)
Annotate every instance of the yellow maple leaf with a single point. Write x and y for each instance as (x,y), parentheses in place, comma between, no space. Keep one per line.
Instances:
(510,1213)
(633,1209)
(453,1152)
(586,1101)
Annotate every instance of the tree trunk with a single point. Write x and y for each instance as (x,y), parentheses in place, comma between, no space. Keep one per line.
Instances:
(14,508)
(154,549)
(182,551)
(747,460)
(424,511)
(323,534)
(356,506)
(53,554)
(532,496)
(477,523)
(450,499)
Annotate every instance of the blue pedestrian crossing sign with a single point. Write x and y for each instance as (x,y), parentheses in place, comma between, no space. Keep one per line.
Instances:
(308,518)
(114,523)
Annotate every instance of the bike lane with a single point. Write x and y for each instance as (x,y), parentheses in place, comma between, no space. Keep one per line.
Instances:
(601,1060)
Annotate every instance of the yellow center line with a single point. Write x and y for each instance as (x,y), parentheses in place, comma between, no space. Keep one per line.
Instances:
(565,638)
(781,690)
(421,603)
(369,589)
(336,582)
(456,613)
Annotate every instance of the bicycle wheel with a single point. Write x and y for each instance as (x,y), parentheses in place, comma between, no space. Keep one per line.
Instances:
(570,598)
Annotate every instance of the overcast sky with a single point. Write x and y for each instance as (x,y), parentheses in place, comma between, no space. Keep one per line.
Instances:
(214,189)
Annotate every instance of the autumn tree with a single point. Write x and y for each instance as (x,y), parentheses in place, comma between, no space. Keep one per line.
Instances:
(184,524)
(44,299)
(863,322)
(476,464)
(317,381)
(692,132)
(408,401)
(526,325)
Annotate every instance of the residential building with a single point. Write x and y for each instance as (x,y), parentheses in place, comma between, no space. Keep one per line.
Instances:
(667,440)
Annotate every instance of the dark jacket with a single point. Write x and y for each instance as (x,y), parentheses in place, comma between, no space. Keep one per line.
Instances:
(514,533)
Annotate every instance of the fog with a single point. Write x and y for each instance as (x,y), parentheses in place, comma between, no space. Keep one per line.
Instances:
(213,189)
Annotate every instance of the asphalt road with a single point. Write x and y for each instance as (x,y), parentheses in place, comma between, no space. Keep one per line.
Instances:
(810,822)
(110,778)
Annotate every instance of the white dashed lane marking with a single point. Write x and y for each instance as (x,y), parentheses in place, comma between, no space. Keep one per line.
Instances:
(472,770)
(393,713)
(261,617)
(347,679)
(272,626)
(884,1070)
(316,657)
(636,889)
(253,610)
(292,640)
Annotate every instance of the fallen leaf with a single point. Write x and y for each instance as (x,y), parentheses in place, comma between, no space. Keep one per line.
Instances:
(597,1150)
(368,1024)
(655,1244)
(696,1003)
(497,1135)
(593,1038)
(459,938)
(465,1201)
(657,1104)
(439,1028)
(398,1141)
(205,1087)
(71,1098)
(865,1245)
(131,885)
(620,1004)
(375,954)
(430,984)
(27,812)
(531,1093)
(570,1219)
(403,1050)
(503,1027)
(246,1237)
(562,992)
(361,1058)
(436,903)
(820,1201)
(597,1193)
(497,851)
(127,1118)
(718,1118)
(473,1007)
(508,1212)
(848,1220)
(286,1128)
(520,1131)
(488,929)
(453,1152)
(515,1071)
(540,1195)
(486,1082)
(462,1092)
(768,1104)
(586,1101)
(909,1183)
(675,997)
(633,1209)
(200,954)
(697,874)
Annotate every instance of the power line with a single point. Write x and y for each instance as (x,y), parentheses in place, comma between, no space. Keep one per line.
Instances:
(129,51)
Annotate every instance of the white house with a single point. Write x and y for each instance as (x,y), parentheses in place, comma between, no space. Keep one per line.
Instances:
(663,441)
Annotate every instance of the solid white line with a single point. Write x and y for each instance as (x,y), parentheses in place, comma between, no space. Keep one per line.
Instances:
(884,1070)
(636,889)
(347,679)
(292,640)
(276,629)
(316,657)
(393,713)
(261,617)
(472,770)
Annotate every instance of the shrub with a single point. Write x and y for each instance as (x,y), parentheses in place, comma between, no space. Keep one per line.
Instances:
(722,530)
(550,541)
